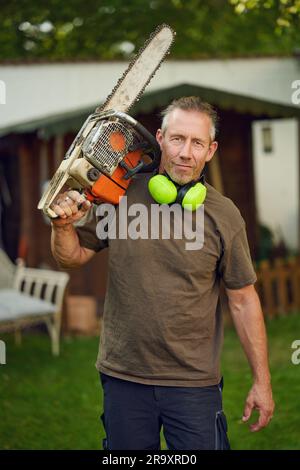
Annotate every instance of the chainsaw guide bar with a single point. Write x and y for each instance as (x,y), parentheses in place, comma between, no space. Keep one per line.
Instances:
(110,144)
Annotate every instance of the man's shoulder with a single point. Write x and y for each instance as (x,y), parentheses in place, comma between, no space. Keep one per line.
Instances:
(140,178)
(225,214)
(219,200)
(139,183)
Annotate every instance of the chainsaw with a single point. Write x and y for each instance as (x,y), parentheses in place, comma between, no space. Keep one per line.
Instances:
(111,147)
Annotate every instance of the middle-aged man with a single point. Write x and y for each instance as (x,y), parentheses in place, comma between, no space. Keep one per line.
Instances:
(160,345)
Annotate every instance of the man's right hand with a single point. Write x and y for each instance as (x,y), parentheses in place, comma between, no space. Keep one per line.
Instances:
(69,206)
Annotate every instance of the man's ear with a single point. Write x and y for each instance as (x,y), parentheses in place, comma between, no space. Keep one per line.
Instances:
(212,150)
(159,136)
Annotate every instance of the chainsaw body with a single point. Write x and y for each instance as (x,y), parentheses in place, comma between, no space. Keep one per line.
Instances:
(109,149)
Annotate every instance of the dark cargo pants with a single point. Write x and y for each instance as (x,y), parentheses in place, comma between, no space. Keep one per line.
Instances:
(192,417)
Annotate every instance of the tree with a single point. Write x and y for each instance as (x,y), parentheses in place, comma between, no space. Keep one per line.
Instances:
(115,29)
(287,11)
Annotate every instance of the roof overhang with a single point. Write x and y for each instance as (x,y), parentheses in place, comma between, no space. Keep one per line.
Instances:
(72,121)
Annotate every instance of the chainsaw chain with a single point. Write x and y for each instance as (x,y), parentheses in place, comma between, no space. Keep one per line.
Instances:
(136,57)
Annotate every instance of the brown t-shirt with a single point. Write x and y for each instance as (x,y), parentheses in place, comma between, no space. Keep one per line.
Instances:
(162,322)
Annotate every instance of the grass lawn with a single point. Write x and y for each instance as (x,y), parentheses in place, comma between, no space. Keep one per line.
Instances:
(55,403)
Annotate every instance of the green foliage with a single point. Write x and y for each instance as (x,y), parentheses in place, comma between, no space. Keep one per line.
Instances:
(114,29)
(266,243)
(287,11)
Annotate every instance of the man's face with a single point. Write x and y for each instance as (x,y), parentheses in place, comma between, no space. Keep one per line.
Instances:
(186,145)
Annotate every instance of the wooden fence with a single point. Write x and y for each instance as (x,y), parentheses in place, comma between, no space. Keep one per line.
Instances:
(278,286)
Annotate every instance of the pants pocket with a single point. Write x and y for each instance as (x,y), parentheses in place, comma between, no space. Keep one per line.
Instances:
(221,438)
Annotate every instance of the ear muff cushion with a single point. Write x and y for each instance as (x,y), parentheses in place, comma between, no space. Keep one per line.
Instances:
(194,197)
(162,189)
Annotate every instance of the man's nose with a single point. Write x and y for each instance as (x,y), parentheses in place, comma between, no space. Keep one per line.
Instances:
(186,149)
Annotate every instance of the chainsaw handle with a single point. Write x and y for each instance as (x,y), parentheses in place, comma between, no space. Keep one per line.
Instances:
(154,145)
(88,196)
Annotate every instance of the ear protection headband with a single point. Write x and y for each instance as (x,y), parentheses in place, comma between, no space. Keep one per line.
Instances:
(165,191)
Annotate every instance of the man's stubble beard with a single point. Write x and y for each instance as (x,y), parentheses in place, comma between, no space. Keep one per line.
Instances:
(170,169)
(181,180)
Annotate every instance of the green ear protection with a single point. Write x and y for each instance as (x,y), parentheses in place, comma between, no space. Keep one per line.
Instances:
(165,191)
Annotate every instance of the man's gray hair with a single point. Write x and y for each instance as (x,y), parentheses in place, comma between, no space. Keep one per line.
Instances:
(191,103)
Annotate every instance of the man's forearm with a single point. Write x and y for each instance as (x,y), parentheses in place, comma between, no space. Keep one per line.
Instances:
(65,245)
(249,323)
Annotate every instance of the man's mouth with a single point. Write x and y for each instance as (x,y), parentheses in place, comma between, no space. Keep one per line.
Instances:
(182,166)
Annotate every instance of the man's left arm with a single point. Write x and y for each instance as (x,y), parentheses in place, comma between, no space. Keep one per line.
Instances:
(248,320)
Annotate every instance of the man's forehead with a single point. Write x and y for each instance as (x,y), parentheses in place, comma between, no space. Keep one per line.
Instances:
(185,119)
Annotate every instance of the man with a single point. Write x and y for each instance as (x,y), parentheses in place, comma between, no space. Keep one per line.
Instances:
(162,327)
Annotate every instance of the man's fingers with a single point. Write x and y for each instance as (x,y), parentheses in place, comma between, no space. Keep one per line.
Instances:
(77,201)
(68,207)
(263,421)
(259,398)
(69,204)
(76,196)
(85,205)
(58,210)
(247,411)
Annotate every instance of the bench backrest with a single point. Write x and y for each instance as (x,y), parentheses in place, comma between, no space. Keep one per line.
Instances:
(42,283)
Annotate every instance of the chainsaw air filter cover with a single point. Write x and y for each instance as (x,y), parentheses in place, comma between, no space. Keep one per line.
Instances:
(107,145)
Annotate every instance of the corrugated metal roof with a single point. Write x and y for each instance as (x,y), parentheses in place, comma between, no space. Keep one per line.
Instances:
(72,121)
(219,98)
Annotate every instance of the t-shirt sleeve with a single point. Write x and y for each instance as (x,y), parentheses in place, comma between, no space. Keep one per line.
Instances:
(235,267)
(86,231)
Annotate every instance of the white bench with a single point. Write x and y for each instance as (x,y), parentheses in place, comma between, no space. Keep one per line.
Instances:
(29,296)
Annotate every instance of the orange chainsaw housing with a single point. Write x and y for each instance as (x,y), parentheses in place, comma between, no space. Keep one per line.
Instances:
(111,189)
